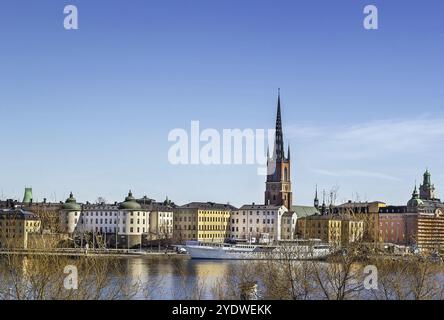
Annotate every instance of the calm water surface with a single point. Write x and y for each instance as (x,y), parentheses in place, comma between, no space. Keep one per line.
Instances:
(179,278)
(182,278)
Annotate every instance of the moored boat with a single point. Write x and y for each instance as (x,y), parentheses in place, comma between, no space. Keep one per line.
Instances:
(225,251)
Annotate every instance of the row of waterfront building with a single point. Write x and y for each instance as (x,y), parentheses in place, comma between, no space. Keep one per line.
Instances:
(135,221)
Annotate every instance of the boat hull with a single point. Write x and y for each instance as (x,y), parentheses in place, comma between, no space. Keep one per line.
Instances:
(217,253)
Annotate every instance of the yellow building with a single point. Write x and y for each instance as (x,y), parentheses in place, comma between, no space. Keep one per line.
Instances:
(15,226)
(332,229)
(352,230)
(368,212)
(202,221)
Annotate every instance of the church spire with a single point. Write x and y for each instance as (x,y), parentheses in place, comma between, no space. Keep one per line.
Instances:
(323,211)
(278,184)
(279,139)
(415,193)
(316,200)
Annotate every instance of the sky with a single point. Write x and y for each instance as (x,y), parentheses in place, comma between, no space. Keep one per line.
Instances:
(90,110)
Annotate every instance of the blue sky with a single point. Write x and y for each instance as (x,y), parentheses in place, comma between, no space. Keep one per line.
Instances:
(90,110)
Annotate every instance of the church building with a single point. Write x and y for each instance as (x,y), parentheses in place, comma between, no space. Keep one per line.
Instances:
(278,186)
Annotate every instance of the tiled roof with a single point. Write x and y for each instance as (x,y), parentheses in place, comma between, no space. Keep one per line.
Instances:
(331,217)
(208,206)
(259,207)
(18,214)
(359,204)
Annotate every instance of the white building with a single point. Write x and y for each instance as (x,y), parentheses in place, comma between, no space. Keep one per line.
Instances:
(70,215)
(161,222)
(98,218)
(127,221)
(257,223)
(288,226)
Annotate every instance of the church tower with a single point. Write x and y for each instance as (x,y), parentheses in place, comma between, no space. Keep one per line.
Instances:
(427,189)
(278,185)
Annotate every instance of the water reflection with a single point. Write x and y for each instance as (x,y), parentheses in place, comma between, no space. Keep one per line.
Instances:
(178,278)
(181,278)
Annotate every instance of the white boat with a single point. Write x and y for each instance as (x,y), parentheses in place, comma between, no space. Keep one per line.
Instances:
(225,251)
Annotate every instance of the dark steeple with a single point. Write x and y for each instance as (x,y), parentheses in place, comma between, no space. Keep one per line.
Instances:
(278,184)
(316,200)
(279,140)
(415,194)
(324,210)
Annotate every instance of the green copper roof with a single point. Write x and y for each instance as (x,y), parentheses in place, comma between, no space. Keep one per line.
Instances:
(28,195)
(130,203)
(304,211)
(71,204)
(415,202)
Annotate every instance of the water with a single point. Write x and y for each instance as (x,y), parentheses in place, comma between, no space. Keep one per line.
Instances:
(179,278)
(160,278)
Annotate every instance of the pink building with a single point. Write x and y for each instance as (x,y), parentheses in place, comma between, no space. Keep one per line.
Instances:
(392,225)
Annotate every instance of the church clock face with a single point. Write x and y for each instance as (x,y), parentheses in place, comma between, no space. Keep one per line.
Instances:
(273,187)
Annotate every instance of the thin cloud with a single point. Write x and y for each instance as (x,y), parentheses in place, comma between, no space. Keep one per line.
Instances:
(356,173)
(371,139)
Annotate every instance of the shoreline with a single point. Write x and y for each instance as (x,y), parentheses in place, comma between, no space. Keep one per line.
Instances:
(94,253)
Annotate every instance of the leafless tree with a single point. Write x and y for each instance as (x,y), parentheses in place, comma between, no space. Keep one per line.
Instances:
(41,277)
